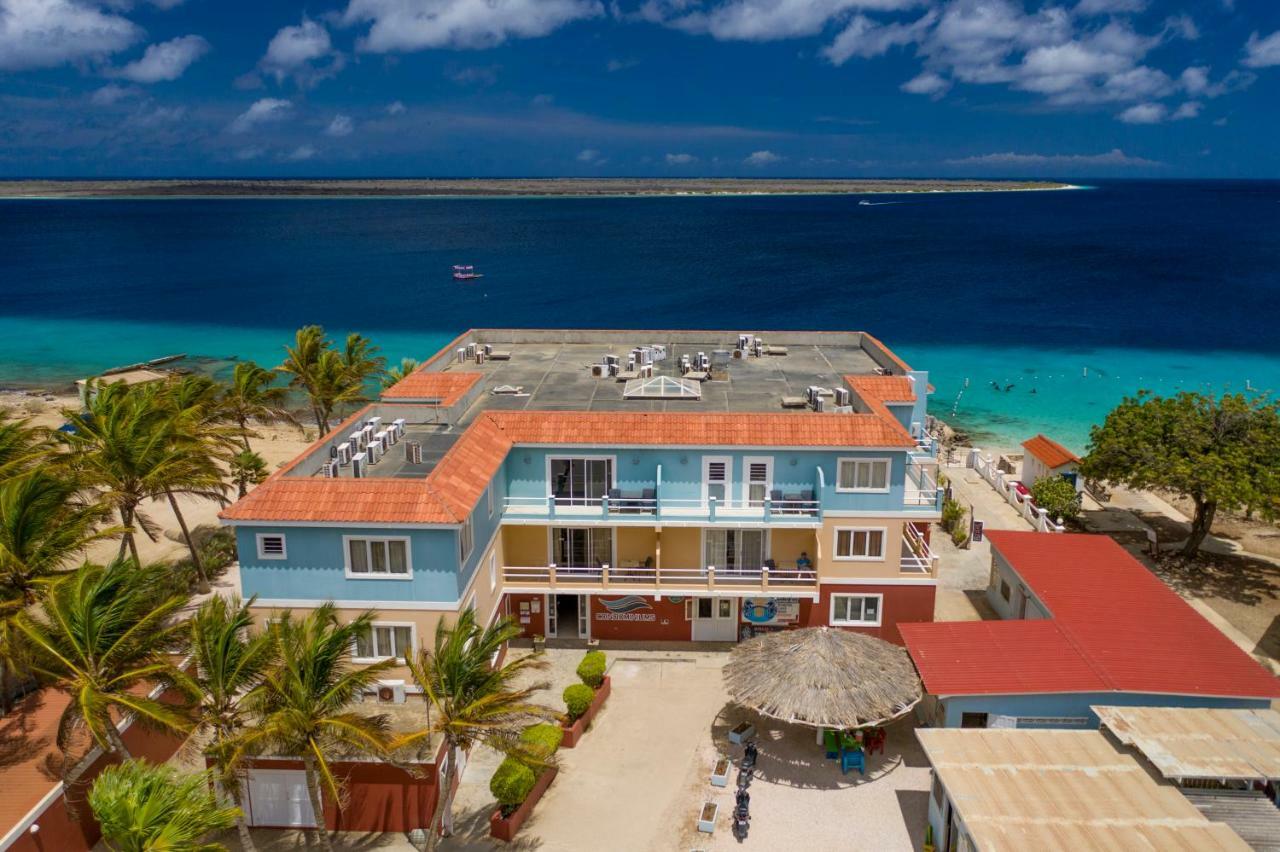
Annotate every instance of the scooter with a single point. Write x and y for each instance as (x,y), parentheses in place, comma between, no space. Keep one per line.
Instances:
(749,754)
(742,815)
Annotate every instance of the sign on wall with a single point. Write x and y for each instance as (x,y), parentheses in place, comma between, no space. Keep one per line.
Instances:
(628,608)
(771,610)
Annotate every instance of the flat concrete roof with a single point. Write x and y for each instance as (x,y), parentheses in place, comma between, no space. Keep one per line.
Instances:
(551,370)
(1050,789)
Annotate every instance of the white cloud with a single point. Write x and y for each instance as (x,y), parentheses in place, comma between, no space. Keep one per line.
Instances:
(1148,113)
(110,94)
(864,38)
(1190,109)
(48,33)
(396,108)
(615,65)
(927,83)
(297,155)
(762,158)
(1114,157)
(1262,52)
(1109,7)
(590,156)
(761,20)
(680,159)
(340,126)
(1182,26)
(304,52)
(167,60)
(261,112)
(408,25)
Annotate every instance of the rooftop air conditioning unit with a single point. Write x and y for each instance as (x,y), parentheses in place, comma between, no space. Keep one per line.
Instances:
(390,692)
(659,351)
(357,465)
(460,354)
(488,349)
(329,469)
(820,404)
(373,451)
(398,425)
(599,371)
(611,359)
(366,436)
(344,453)
(842,396)
(375,422)
(814,393)
(413,452)
(759,348)
(354,440)
(471,351)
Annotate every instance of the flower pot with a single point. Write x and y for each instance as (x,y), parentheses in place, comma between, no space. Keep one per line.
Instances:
(742,732)
(720,772)
(707,817)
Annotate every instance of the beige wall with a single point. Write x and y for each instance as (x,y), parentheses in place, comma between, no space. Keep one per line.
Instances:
(785,546)
(636,544)
(681,547)
(525,546)
(829,567)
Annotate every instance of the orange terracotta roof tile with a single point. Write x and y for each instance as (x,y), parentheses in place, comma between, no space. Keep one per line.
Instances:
(1049,451)
(432,388)
(884,388)
(370,500)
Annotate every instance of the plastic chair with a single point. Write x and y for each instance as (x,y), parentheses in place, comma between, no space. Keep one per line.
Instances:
(853,760)
(849,741)
(875,741)
(829,742)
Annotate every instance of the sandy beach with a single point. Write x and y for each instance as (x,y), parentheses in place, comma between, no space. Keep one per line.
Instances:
(276,444)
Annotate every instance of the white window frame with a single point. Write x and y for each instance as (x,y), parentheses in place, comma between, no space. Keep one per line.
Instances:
(488,498)
(493,570)
(747,461)
(613,468)
(857,460)
(707,461)
(284,546)
(466,541)
(371,575)
(413,641)
(835,541)
(834,622)
(702,543)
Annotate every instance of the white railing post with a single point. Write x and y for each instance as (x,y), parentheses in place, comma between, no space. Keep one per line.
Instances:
(551,505)
(551,575)
(604,575)
(711,508)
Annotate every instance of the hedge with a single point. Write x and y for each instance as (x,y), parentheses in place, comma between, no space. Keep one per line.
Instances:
(577,698)
(511,784)
(591,669)
(543,739)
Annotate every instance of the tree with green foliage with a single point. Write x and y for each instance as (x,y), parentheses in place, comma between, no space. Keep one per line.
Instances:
(252,395)
(102,634)
(247,468)
(231,667)
(22,446)
(471,701)
(1222,453)
(302,705)
(1057,495)
(146,808)
(330,378)
(396,374)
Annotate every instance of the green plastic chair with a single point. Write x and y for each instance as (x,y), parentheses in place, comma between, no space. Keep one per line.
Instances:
(829,742)
(850,742)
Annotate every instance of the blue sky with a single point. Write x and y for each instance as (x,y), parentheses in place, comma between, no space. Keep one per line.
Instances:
(1106,88)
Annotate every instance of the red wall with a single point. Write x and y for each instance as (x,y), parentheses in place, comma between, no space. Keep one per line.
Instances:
(537,625)
(669,622)
(901,605)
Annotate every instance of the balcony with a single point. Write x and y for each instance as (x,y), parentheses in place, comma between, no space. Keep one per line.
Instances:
(646,506)
(917,558)
(921,489)
(775,581)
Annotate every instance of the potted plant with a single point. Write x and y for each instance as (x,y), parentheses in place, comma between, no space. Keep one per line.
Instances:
(707,817)
(539,643)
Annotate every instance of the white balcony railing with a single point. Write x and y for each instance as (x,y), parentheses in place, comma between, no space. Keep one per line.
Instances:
(748,579)
(917,558)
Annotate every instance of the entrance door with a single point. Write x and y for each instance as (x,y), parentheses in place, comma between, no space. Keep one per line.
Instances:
(571,611)
(278,798)
(552,622)
(714,619)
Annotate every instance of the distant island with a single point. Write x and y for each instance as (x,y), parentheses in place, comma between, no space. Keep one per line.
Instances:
(579,187)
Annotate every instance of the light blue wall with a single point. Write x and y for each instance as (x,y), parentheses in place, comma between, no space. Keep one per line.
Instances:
(314,569)
(1077,704)
(636,469)
(1012,607)
(484,527)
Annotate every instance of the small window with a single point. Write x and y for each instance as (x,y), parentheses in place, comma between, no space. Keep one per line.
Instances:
(488,499)
(724,608)
(466,540)
(856,610)
(271,546)
(1005,591)
(493,571)
(854,543)
(863,475)
(378,558)
(385,642)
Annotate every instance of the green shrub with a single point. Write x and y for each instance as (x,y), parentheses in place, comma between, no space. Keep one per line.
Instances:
(952,515)
(577,698)
(511,784)
(543,739)
(959,536)
(1057,496)
(591,669)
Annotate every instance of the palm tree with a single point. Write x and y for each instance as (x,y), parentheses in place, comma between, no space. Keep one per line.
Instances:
(302,705)
(333,385)
(21,445)
(252,395)
(395,374)
(145,808)
(101,633)
(470,701)
(330,378)
(129,447)
(361,359)
(231,668)
(247,468)
(301,361)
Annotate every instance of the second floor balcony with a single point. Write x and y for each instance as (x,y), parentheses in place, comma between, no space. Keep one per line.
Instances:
(763,580)
(803,508)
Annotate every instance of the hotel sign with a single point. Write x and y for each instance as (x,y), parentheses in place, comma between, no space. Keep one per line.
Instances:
(628,608)
(771,610)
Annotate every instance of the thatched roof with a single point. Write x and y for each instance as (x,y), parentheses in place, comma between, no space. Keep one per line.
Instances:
(823,677)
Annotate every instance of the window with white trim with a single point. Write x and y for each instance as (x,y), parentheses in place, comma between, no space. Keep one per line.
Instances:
(856,610)
(378,558)
(466,540)
(488,499)
(855,543)
(759,478)
(384,642)
(862,475)
(715,478)
(493,571)
(271,546)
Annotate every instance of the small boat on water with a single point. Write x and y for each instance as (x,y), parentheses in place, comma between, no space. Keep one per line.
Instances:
(466,273)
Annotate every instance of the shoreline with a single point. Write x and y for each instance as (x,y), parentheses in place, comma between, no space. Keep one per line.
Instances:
(38,190)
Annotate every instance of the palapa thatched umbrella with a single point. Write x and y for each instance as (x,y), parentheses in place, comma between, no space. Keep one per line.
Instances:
(824,678)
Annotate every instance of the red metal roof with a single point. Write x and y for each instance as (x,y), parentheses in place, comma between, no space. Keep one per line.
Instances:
(1113,618)
(1049,451)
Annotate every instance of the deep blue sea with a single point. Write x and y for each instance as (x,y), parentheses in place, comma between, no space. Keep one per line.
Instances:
(1080,295)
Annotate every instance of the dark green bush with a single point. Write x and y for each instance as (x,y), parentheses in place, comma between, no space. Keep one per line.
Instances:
(511,784)
(591,669)
(577,698)
(1057,496)
(543,739)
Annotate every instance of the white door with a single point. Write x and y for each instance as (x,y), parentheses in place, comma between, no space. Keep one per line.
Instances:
(584,617)
(278,798)
(714,619)
(549,606)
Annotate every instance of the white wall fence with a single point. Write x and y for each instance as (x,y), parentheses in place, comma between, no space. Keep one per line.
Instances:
(1001,482)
